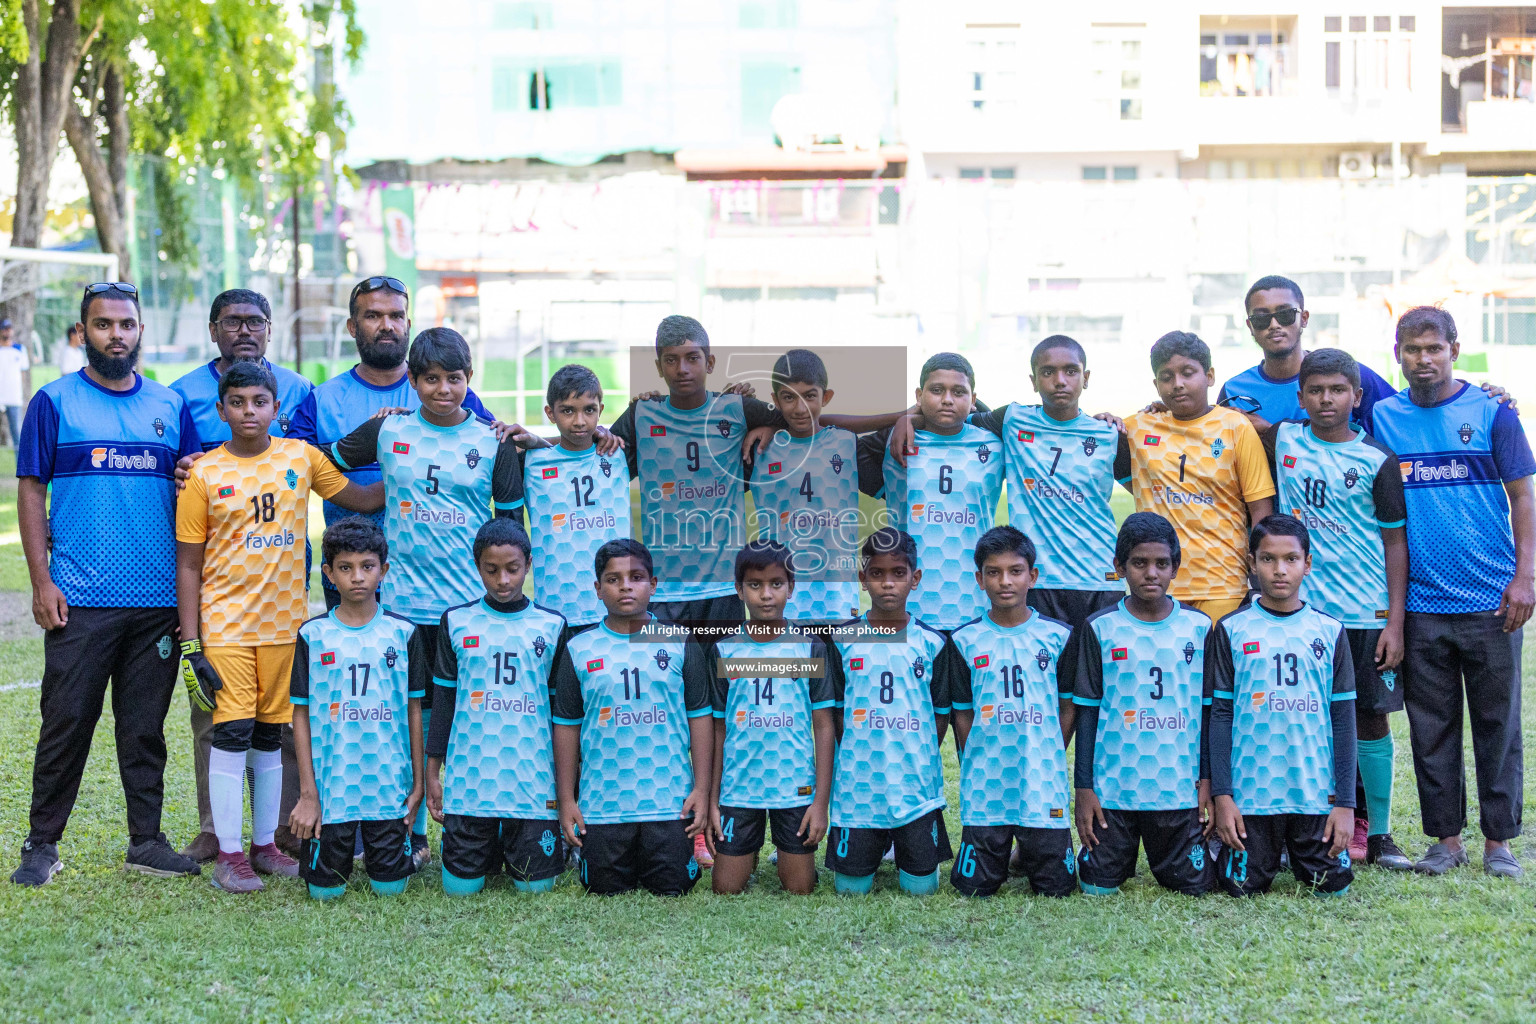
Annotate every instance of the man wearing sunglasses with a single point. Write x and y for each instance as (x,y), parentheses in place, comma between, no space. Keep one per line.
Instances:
(103,566)
(240,326)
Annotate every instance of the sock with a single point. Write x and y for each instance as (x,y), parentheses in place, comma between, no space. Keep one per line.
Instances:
(226,797)
(918,885)
(850,884)
(266,795)
(419,828)
(394,888)
(1097,890)
(326,892)
(453,885)
(1375,758)
(542,885)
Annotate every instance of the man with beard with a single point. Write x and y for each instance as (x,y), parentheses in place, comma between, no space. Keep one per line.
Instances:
(107,440)
(239,325)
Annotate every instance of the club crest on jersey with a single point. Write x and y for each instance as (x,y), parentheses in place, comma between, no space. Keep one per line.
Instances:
(540,645)
(163,647)
(1027,436)
(226,492)
(328,658)
(983,453)
(547,843)
(1151,441)
(724,426)
(1389,679)
(1217,447)
(836,462)
(595,665)
(606,466)
(917,667)
(549,473)
(471,642)
(1119,654)
(159,426)
(1197,856)
(1318,650)
(283,422)
(1465,433)
(775,468)
(658,431)
(1289,462)
(400,448)
(1189,652)
(291,479)
(472,458)
(1252,647)
(663,659)
(1042,659)
(390,657)
(1090,445)
(980,661)
(1351,477)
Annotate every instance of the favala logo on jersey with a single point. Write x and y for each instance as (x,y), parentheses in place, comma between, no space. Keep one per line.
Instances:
(1259,698)
(421,512)
(352,711)
(683,490)
(112,459)
(749,719)
(1149,721)
(265,541)
(493,702)
(871,719)
(401,448)
(1434,471)
(980,661)
(551,473)
(935,512)
(1119,654)
(601,521)
(328,658)
(620,714)
(1280,703)
(1289,462)
(1251,647)
(1006,715)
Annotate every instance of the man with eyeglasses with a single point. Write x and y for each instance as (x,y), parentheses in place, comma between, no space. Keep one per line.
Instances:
(239,325)
(102,558)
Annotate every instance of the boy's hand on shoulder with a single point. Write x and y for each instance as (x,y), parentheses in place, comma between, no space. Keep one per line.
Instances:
(390,410)
(742,388)
(1089,813)
(1341,825)
(305,819)
(435,798)
(572,825)
(755,442)
(1154,407)
(184,468)
(650,396)
(518,435)
(1229,823)
(696,807)
(813,826)
(1111,419)
(607,442)
(1498,394)
(1203,796)
(902,432)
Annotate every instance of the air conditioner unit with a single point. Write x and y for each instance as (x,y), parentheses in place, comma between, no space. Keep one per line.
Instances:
(1357,164)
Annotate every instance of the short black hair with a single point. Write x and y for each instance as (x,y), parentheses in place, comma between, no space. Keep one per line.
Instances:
(1279,524)
(622,547)
(1146,528)
(499,531)
(1180,343)
(572,379)
(1058,341)
(71,331)
(947,361)
(109,293)
(247,375)
(888,540)
(357,293)
(799,366)
(1327,362)
(760,554)
(680,330)
(1004,540)
(442,347)
(352,535)
(1270,282)
(1423,319)
(239,297)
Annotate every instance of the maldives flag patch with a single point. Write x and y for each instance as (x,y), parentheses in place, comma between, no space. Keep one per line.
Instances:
(1289,462)
(1252,647)
(400,448)
(595,665)
(1119,654)
(551,473)
(1152,440)
(775,467)
(1027,436)
(328,658)
(857,664)
(979,662)
(471,641)
(225,492)
(658,431)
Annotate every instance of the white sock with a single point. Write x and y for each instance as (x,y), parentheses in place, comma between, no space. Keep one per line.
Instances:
(266,794)
(226,796)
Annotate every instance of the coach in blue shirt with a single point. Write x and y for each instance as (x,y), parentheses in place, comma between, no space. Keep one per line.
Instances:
(102,561)
(1466,467)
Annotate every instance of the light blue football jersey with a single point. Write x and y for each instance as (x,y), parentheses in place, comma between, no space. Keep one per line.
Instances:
(1285,673)
(1346,494)
(632,701)
(805,491)
(1014,771)
(500,761)
(946,497)
(200,390)
(770,749)
(440,486)
(576,502)
(1060,478)
(1148,681)
(888,770)
(357,682)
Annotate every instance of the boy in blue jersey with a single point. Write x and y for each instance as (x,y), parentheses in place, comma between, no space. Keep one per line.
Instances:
(577,497)
(358,676)
(1344,485)
(633,725)
(946,492)
(445,473)
(1011,695)
(805,489)
(888,781)
(1282,735)
(1466,468)
(1142,694)
(773,734)
(494,662)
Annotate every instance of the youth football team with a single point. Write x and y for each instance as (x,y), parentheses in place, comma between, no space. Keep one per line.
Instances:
(659,706)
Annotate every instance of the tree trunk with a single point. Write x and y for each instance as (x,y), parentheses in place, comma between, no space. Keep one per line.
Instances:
(110,225)
(119,140)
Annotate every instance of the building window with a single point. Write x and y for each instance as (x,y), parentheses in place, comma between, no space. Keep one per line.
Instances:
(556,85)
(1357,23)
(1246,56)
(1382,24)
(1002,173)
(1406,23)
(768,14)
(1510,321)
(991,76)
(1095,173)
(972,173)
(1116,71)
(1126,173)
(511,16)
(1331,64)
(1333,23)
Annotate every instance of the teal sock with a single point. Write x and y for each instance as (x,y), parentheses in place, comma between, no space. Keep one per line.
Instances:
(326,892)
(918,885)
(419,828)
(852,884)
(453,885)
(1375,758)
(1096,890)
(394,888)
(542,885)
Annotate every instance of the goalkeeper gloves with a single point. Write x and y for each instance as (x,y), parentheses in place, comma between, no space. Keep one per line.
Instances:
(199,677)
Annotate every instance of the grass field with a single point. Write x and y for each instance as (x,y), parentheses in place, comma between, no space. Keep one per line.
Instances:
(103,945)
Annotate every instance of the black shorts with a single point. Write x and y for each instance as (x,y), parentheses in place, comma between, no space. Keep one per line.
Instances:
(653,855)
(529,848)
(921,845)
(742,830)
(327,861)
(1250,871)
(981,867)
(713,617)
(1071,606)
(1376,693)
(1175,851)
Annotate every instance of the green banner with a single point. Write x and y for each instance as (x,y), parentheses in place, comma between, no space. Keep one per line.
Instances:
(399,210)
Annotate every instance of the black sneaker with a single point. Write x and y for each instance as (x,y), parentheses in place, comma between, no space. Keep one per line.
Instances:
(1383,852)
(39,863)
(156,857)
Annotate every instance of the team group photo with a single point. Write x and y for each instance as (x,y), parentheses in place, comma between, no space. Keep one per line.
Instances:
(572,589)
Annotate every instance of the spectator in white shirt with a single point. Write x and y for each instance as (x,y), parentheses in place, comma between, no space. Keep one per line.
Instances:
(15,379)
(72,355)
